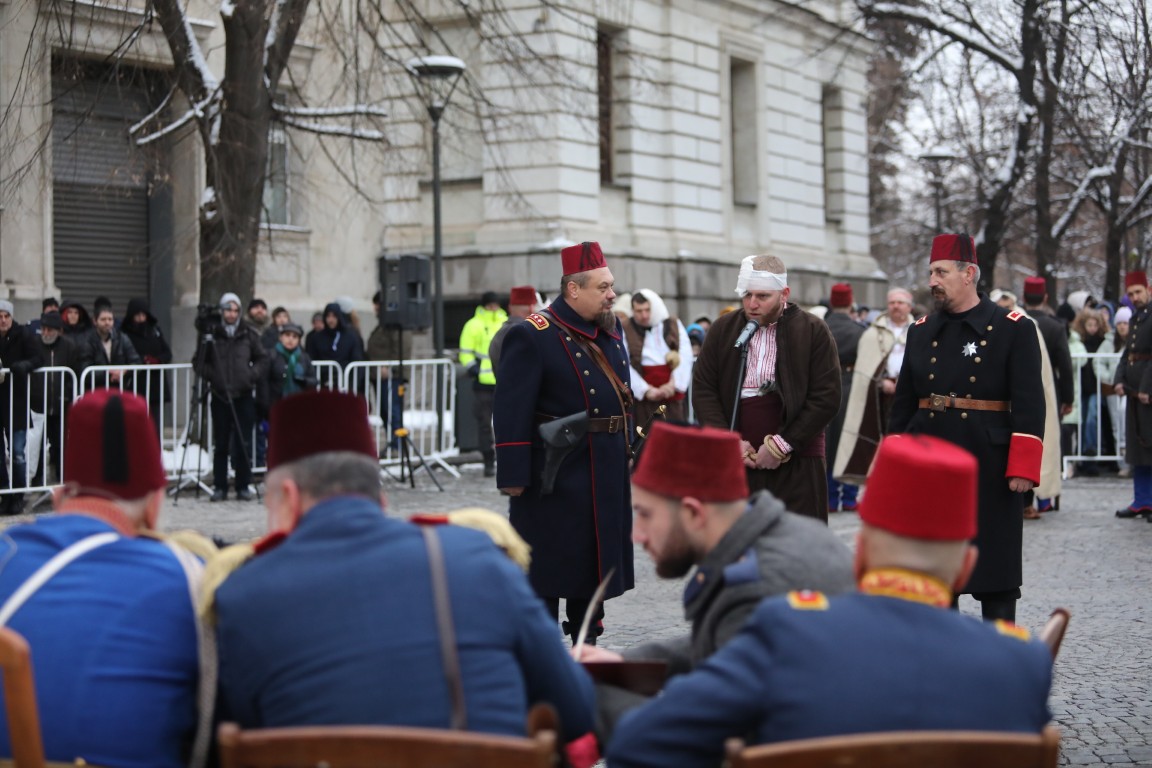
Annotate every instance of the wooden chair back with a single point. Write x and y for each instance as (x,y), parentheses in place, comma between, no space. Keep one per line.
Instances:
(1053,632)
(372,746)
(20,700)
(904,749)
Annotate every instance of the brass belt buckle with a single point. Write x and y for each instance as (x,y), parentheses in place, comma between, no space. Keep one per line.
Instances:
(938,402)
(614,424)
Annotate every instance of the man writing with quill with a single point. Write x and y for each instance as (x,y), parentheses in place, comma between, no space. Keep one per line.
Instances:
(692,511)
(563,374)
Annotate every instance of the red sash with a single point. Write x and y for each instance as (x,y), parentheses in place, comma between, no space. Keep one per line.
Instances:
(658,375)
(760,416)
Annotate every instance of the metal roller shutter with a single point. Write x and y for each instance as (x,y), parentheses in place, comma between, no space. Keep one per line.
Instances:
(100,194)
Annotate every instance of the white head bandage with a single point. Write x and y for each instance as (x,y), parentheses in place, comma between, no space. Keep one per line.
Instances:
(757,280)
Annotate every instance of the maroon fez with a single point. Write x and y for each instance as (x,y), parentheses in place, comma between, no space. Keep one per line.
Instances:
(841,296)
(1035,288)
(581,258)
(922,487)
(953,248)
(702,462)
(112,448)
(1135,278)
(307,423)
(522,295)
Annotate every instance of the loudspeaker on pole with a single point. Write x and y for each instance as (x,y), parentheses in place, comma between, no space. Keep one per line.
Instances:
(404,296)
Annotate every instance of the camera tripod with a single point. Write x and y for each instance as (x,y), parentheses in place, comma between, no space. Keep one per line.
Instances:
(201,389)
(399,431)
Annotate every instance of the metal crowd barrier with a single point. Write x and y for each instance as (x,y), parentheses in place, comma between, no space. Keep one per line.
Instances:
(1088,429)
(183,415)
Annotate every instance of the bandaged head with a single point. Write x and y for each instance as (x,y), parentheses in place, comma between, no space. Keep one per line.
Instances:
(761,273)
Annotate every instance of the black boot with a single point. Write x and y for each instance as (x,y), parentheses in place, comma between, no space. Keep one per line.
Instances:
(489,464)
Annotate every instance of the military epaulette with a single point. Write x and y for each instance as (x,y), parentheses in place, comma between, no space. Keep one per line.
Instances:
(807,600)
(1012,630)
(538,320)
(921,320)
(1015,315)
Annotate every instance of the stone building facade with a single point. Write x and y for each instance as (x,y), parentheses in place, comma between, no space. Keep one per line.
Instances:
(682,135)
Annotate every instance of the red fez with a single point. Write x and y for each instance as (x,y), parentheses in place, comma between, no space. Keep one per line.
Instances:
(308,423)
(922,487)
(841,295)
(112,447)
(953,248)
(522,295)
(1135,278)
(703,462)
(1035,288)
(581,258)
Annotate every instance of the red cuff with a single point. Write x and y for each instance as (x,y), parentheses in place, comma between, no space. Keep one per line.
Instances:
(1024,455)
(582,752)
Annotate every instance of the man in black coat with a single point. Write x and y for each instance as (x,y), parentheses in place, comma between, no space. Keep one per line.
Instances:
(970,376)
(53,391)
(233,361)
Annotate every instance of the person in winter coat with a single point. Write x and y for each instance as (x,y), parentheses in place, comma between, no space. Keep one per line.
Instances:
(108,346)
(77,321)
(18,355)
(289,368)
(141,328)
(53,391)
(336,341)
(233,361)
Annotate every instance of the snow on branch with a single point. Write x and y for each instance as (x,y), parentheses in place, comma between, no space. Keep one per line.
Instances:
(346,111)
(335,130)
(959,33)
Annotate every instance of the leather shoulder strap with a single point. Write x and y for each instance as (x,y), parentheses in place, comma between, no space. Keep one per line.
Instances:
(447,630)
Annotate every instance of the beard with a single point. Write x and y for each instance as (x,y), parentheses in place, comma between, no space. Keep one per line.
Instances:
(606,321)
(677,558)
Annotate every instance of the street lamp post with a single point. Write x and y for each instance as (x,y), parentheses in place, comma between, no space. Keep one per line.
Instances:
(436,77)
(936,163)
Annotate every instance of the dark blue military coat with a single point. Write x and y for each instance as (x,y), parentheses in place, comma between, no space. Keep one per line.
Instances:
(806,666)
(584,527)
(337,625)
(986,353)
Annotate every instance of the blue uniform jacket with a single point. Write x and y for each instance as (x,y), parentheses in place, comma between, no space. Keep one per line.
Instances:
(337,625)
(849,664)
(584,527)
(114,649)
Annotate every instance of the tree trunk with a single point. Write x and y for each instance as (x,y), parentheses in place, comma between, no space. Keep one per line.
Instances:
(237,162)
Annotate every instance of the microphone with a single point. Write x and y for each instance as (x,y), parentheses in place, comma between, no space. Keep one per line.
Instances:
(746,333)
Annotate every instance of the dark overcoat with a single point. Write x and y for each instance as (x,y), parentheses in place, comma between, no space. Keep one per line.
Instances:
(808,373)
(846,332)
(584,527)
(1135,373)
(987,353)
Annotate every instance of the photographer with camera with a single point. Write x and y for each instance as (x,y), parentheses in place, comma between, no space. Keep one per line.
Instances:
(230,357)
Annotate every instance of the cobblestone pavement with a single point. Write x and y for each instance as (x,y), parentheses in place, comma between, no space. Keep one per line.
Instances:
(1080,557)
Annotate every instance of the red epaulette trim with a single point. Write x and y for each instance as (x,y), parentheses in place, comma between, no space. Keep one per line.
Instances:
(1012,630)
(1015,315)
(429,518)
(807,600)
(921,320)
(538,321)
(269,542)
